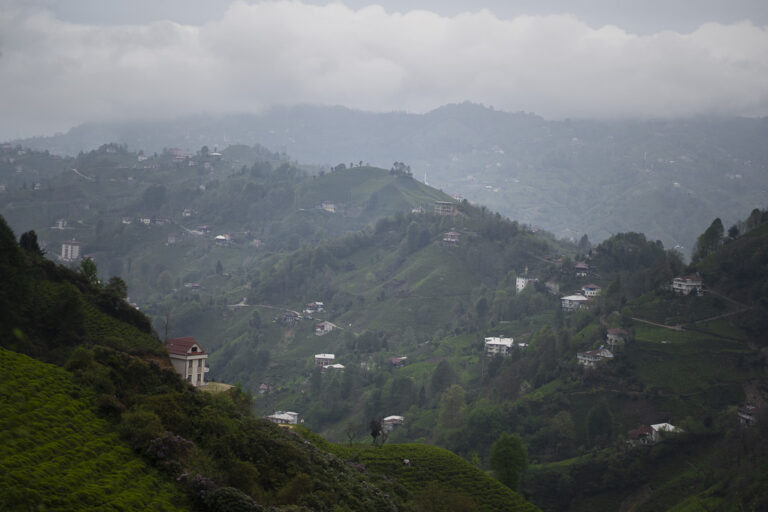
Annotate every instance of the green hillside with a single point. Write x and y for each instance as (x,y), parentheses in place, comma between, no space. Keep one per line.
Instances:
(117,412)
(58,454)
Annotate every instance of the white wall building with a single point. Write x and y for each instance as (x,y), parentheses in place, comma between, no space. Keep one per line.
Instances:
(573,302)
(188,359)
(498,346)
(284,417)
(70,250)
(687,285)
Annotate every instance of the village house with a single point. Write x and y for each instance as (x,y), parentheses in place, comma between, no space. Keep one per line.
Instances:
(314,307)
(616,337)
(451,239)
(389,423)
(172,239)
(223,240)
(639,436)
(323,328)
(289,318)
(590,290)
(127,220)
(522,282)
(328,206)
(187,212)
(591,358)
(324,359)
(61,224)
(334,366)
(70,250)
(264,388)
(145,220)
(687,285)
(397,362)
(188,359)
(445,208)
(284,417)
(659,430)
(495,346)
(581,269)
(573,302)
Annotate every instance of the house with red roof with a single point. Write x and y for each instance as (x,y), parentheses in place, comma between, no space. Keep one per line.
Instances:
(188,359)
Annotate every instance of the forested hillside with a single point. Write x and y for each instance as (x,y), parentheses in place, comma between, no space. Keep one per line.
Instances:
(666,178)
(157,442)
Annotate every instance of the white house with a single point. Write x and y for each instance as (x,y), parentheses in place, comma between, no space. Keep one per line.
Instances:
(324,359)
(284,417)
(323,328)
(590,290)
(335,366)
(188,359)
(656,431)
(389,423)
(328,206)
(522,282)
(686,285)
(498,346)
(573,302)
(451,238)
(70,250)
(590,358)
(314,307)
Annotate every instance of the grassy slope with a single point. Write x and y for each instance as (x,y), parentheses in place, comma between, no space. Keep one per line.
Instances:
(431,464)
(58,455)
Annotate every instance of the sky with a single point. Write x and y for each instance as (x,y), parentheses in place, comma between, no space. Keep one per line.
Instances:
(65,62)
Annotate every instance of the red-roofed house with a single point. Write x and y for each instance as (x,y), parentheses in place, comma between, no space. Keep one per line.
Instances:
(188,359)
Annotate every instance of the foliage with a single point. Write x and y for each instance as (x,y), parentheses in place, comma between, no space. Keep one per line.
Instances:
(509,460)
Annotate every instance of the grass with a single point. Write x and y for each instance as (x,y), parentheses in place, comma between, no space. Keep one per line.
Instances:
(58,455)
(430,464)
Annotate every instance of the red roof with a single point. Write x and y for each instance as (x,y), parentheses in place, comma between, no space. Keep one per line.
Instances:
(618,331)
(183,346)
(639,432)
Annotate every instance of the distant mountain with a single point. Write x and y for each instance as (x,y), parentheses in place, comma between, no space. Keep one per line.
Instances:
(666,178)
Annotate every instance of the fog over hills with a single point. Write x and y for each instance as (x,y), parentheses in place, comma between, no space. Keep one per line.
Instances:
(667,178)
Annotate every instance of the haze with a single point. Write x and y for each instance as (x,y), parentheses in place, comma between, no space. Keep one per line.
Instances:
(64,63)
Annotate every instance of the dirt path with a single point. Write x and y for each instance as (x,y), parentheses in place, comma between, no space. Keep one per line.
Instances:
(671,327)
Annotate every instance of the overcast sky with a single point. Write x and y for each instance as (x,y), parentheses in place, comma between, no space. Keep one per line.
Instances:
(67,62)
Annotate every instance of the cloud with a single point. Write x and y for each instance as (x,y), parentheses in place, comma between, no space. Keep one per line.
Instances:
(54,74)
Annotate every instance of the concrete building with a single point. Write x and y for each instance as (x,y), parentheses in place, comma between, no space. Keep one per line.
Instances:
(188,359)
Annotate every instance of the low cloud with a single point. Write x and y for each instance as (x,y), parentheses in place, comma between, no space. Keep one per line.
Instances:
(54,74)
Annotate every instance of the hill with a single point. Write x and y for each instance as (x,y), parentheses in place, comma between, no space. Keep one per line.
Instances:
(665,178)
(207,451)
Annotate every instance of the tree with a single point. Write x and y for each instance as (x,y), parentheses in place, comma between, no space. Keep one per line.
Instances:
(509,460)
(117,287)
(709,241)
(599,424)
(219,267)
(89,270)
(375,427)
(452,407)
(28,242)
(442,377)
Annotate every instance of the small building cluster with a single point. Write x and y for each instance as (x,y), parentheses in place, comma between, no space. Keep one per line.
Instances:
(616,337)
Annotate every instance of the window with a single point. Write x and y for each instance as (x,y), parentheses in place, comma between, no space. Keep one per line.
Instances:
(190,364)
(189,378)
(199,378)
